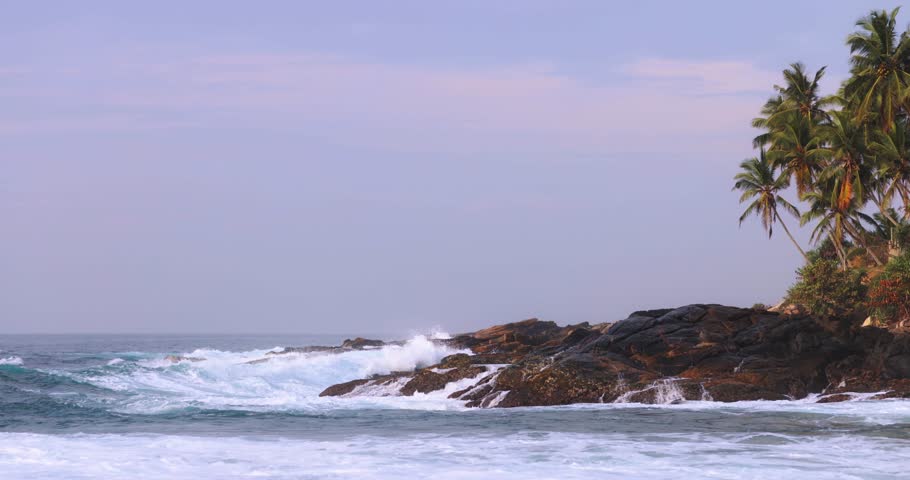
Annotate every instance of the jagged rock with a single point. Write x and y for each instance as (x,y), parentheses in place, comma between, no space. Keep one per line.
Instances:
(696,352)
(349,344)
(377,383)
(360,343)
(457,360)
(312,349)
(837,397)
(431,379)
(343,388)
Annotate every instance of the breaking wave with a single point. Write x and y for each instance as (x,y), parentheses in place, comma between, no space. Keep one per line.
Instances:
(11,361)
(259,379)
(263,380)
(218,413)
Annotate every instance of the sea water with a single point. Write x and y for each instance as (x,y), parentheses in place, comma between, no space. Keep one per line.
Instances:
(78,407)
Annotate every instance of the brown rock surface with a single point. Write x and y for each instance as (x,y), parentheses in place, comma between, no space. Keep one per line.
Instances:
(697,352)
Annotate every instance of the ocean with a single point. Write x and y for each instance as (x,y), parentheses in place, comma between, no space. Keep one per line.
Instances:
(113,406)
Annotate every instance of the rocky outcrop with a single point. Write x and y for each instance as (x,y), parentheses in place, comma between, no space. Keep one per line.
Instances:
(697,352)
(451,369)
(361,343)
(349,344)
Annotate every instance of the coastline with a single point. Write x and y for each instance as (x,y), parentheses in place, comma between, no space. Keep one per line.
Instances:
(692,353)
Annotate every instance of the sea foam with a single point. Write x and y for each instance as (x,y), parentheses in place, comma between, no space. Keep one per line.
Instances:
(256,380)
(479,456)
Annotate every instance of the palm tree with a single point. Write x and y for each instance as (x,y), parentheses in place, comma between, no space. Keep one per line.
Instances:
(757,181)
(879,69)
(892,159)
(798,98)
(888,231)
(797,150)
(768,111)
(835,220)
(829,223)
(846,146)
(800,95)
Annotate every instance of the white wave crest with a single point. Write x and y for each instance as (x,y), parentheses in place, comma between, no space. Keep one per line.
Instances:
(207,378)
(418,352)
(11,361)
(437,334)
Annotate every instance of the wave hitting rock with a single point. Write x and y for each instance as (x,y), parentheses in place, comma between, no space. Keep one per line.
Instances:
(696,352)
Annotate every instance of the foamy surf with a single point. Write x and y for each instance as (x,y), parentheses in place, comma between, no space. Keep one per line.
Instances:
(176,410)
(262,380)
(507,457)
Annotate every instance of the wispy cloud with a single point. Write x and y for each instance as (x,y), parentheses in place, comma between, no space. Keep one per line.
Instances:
(705,76)
(654,105)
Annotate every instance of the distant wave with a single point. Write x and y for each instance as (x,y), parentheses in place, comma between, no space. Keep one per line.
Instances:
(11,361)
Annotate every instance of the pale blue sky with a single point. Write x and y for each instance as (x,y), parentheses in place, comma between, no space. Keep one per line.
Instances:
(386,166)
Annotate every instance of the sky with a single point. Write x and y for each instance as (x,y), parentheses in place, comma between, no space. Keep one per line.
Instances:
(387,167)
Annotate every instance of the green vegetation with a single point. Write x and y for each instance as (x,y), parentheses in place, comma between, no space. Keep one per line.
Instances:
(847,158)
(827,290)
(889,293)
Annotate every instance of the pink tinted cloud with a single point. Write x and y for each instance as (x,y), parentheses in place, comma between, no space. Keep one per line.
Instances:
(708,77)
(529,107)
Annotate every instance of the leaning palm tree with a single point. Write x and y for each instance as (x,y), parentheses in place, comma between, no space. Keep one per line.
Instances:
(757,181)
(828,226)
(835,221)
(879,77)
(798,151)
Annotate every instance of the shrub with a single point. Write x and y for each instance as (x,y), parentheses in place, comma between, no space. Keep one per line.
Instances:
(826,290)
(759,306)
(889,293)
(827,251)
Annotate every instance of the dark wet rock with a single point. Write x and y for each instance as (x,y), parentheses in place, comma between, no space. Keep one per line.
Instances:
(360,343)
(456,361)
(343,388)
(424,380)
(431,379)
(312,349)
(696,352)
(837,397)
(349,344)
(377,385)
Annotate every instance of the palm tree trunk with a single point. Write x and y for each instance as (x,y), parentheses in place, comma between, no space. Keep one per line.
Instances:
(787,230)
(859,239)
(905,197)
(884,211)
(839,249)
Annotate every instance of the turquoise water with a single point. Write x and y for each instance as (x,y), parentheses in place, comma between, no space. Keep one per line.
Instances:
(114,407)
